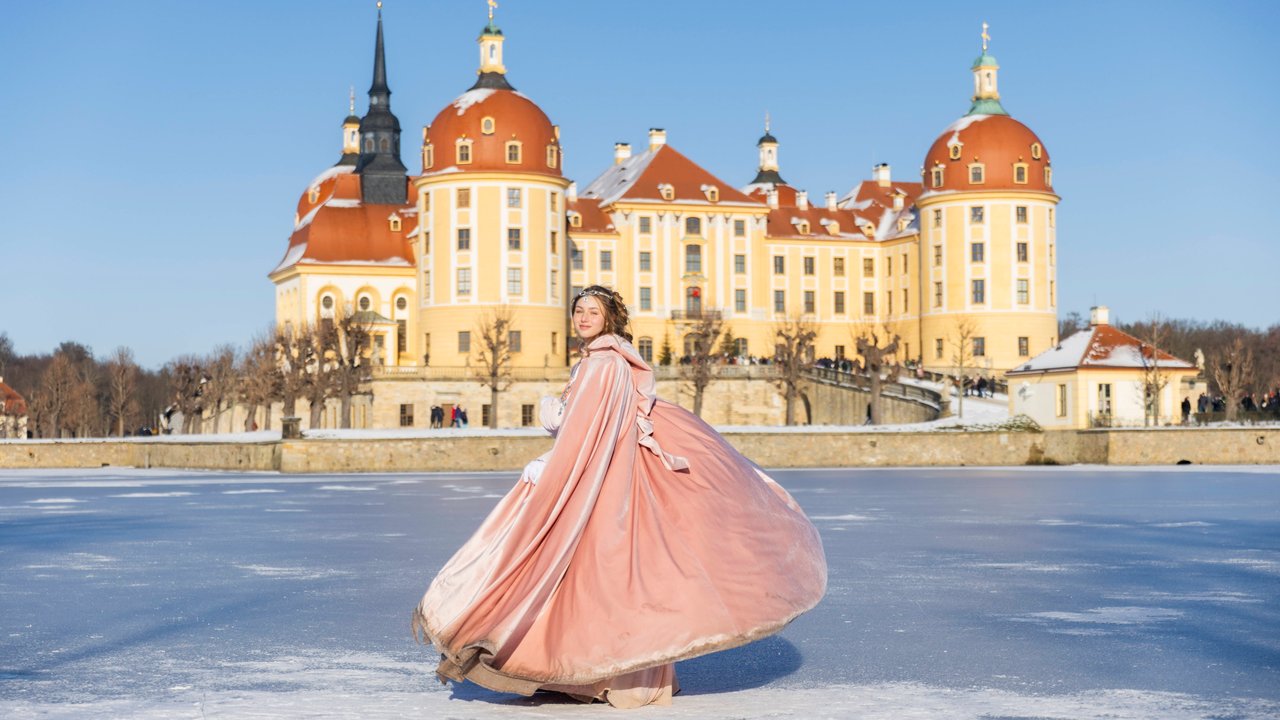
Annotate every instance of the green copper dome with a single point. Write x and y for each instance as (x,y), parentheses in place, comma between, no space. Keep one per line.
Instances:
(987,106)
(984,60)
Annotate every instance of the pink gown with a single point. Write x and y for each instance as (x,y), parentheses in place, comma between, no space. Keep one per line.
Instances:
(647,539)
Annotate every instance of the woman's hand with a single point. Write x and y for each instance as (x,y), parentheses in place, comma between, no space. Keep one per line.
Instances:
(533,471)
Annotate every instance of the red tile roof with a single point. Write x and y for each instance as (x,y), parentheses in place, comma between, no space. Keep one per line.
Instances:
(11,403)
(340,229)
(640,177)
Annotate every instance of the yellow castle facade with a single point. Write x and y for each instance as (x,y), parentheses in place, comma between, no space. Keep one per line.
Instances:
(959,262)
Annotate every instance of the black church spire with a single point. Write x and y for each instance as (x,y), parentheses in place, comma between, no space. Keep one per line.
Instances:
(383,174)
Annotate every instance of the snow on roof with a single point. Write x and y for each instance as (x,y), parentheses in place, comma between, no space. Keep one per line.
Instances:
(391,262)
(331,172)
(343,202)
(959,125)
(614,182)
(471,97)
(1067,354)
(1099,346)
(294,254)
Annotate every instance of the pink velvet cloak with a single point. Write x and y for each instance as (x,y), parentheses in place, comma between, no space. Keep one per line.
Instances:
(647,539)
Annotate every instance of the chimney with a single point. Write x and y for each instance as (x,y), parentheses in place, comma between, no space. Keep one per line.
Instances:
(802,200)
(572,192)
(771,198)
(832,203)
(621,151)
(1099,315)
(881,174)
(657,138)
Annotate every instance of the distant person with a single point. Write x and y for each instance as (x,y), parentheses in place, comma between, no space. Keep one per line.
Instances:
(1186,410)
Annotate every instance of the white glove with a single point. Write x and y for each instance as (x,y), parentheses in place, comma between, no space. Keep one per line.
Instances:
(533,471)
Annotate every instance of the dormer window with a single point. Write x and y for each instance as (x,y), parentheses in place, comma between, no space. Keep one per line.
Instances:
(1036,150)
(313,194)
(553,156)
(954,150)
(487,125)
(1020,173)
(428,156)
(802,227)
(937,176)
(712,192)
(668,192)
(833,228)
(464,151)
(977,173)
(1048,176)
(393,221)
(575,219)
(513,152)
(869,230)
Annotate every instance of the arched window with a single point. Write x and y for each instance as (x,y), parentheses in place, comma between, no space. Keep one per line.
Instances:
(693,302)
(368,145)
(365,303)
(937,176)
(487,126)
(955,151)
(1035,150)
(693,226)
(693,259)
(464,152)
(553,157)
(645,347)
(513,152)
(384,145)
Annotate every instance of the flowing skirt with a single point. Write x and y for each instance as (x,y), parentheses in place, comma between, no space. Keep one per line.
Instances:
(595,581)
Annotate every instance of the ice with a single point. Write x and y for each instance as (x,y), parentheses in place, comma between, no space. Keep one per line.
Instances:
(978,593)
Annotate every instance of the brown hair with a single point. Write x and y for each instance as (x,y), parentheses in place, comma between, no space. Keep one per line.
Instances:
(616,317)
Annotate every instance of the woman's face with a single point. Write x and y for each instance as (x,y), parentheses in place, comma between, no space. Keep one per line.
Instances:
(588,317)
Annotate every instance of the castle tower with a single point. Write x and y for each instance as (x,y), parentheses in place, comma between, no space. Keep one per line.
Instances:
(767,172)
(987,237)
(383,174)
(493,234)
(350,135)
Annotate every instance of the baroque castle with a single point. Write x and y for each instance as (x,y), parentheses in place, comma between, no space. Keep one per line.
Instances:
(967,250)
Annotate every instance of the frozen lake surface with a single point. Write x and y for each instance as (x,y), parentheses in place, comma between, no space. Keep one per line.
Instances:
(994,594)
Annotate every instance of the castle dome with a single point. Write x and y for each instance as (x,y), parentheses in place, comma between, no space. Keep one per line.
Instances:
(489,120)
(999,144)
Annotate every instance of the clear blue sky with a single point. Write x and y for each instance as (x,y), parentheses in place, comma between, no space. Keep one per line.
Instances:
(153,153)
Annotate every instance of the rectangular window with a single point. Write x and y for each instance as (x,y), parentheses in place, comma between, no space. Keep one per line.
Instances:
(779,265)
(464,153)
(406,414)
(464,341)
(1061,405)
(645,347)
(426,241)
(1024,347)
(740,344)
(426,286)
(979,347)
(464,197)
(574,290)
(1021,213)
(575,257)
(888,302)
(868,303)
(555,202)
(513,238)
(526,416)
(979,292)
(513,197)
(515,341)
(402,337)
(839,302)
(606,259)
(937,255)
(646,224)
(937,218)
(904,263)
(937,294)
(905,307)
(740,300)
(808,266)
(739,228)
(554,245)
(693,259)
(977,252)
(977,215)
(464,281)
(779,301)
(515,281)
(868,267)
(837,266)
(1020,174)
(646,298)
(975,173)
(1022,252)
(740,264)
(1104,398)
(486,410)
(513,153)
(1024,294)
(555,283)
(646,261)
(808,301)
(888,267)
(937,348)
(464,238)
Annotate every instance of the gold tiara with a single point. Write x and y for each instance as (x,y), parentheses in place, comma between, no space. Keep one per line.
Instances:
(597,293)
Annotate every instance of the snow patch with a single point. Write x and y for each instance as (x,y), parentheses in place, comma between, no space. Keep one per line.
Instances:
(153,494)
(471,97)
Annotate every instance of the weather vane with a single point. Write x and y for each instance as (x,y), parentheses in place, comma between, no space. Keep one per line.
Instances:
(352,97)
(985,37)
(766,121)
(492,4)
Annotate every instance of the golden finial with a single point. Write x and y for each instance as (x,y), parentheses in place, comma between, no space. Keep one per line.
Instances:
(492,4)
(379,4)
(985,37)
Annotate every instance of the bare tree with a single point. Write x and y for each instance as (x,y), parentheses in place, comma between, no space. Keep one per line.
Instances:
(258,379)
(494,353)
(295,354)
(792,354)
(700,345)
(220,383)
(878,348)
(319,376)
(962,334)
(60,396)
(186,373)
(1155,378)
(122,385)
(349,351)
(1232,369)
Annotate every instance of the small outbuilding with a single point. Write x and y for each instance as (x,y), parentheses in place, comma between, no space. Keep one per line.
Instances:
(1100,377)
(13,413)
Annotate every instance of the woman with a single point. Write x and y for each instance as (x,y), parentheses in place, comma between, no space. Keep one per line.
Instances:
(640,539)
